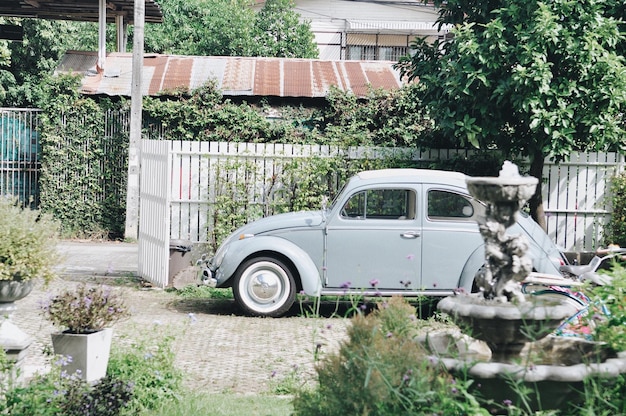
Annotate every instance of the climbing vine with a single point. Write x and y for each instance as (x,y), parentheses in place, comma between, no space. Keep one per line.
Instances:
(616,228)
(84,141)
(83,162)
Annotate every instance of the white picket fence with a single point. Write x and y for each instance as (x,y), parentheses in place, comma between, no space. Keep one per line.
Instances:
(576,199)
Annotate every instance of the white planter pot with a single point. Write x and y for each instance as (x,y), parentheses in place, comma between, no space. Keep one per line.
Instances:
(89,352)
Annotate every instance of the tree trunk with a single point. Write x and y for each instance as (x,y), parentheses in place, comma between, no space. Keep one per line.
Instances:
(536,202)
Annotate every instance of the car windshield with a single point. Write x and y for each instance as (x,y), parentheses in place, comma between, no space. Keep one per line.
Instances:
(332,204)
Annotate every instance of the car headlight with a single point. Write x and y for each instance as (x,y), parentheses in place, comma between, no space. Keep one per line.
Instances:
(223,249)
(219,255)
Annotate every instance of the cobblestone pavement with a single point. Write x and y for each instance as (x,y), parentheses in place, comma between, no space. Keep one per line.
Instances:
(218,348)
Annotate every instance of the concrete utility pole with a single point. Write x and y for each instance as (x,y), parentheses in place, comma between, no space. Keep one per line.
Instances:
(134,146)
(102,31)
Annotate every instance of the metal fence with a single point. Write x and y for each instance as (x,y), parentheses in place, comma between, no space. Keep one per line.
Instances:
(19,154)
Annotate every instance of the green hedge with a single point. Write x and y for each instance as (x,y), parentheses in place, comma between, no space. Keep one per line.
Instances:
(616,228)
(85,145)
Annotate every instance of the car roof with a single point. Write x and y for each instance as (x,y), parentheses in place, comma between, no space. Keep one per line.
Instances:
(411,175)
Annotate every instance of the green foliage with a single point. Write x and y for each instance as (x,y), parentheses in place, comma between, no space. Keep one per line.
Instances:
(204,116)
(382,370)
(29,62)
(299,184)
(601,397)
(148,363)
(202,27)
(384,118)
(612,327)
(530,78)
(279,32)
(57,393)
(204,292)
(616,227)
(85,309)
(230,28)
(83,162)
(83,175)
(552,86)
(224,404)
(27,246)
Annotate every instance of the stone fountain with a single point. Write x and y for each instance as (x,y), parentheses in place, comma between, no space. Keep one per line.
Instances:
(516,327)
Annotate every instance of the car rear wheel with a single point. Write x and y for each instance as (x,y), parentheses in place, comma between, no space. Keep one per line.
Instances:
(264,286)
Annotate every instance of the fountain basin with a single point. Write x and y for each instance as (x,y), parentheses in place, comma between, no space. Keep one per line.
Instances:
(505,326)
(549,386)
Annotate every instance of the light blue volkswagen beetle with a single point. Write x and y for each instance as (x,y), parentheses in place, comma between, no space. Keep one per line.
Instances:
(389,232)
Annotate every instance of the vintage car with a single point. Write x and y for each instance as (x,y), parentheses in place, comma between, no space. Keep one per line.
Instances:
(388,232)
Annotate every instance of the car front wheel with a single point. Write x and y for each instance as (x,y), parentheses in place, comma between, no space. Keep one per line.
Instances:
(264,286)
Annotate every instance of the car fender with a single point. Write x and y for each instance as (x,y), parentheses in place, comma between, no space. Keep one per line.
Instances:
(241,250)
(475,261)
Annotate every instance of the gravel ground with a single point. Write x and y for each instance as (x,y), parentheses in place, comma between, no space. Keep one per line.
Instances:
(218,348)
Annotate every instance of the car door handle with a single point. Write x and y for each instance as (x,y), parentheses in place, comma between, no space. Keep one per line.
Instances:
(410,234)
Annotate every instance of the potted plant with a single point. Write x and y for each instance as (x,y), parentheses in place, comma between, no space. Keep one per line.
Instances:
(27,249)
(85,314)
(27,252)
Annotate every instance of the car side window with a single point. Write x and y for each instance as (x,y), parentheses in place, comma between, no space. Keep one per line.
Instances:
(387,204)
(444,204)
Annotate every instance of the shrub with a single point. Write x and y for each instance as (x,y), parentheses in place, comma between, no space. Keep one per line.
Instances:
(610,327)
(57,393)
(382,370)
(148,363)
(27,246)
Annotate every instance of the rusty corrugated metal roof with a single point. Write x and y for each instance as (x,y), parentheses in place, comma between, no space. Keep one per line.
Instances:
(235,76)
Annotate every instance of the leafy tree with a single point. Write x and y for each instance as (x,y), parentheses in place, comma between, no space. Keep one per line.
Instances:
(230,28)
(202,27)
(532,78)
(278,32)
(23,65)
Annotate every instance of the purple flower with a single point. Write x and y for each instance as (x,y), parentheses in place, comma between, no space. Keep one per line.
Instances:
(346,285)
(410,256)
(389,334)
(507,402)
(374,282)
(63,360)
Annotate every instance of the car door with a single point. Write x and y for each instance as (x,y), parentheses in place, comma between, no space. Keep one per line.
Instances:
(375,238)
(450,235)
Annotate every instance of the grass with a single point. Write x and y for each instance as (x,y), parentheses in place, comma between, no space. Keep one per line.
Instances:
(204,292)
(200,404)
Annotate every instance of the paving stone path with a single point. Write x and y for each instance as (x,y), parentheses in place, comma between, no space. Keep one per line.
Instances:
(218,348)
